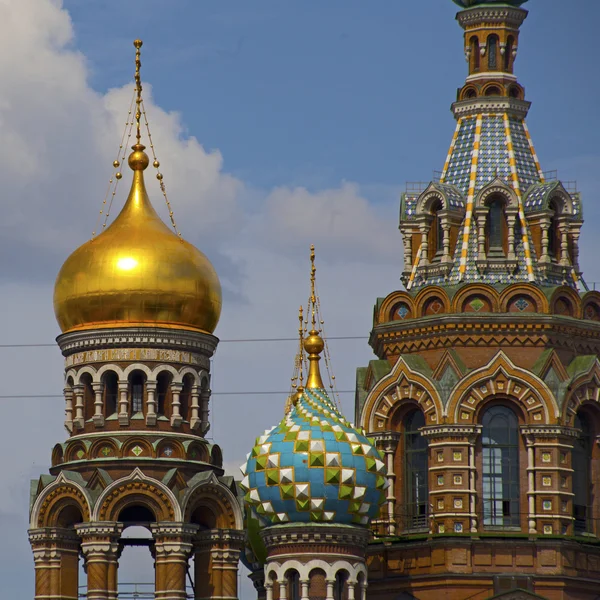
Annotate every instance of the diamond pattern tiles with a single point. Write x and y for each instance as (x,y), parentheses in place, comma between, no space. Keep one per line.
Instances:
(314,467)
(493,153)
(459,167)
(526,168)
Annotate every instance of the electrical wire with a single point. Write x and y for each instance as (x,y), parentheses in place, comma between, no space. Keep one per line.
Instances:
(244,393)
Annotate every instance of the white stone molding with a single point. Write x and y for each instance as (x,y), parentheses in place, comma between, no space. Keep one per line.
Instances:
(123,412)
(176,418)
(98,418)
(109,367)
(491,105)
(78,421)
(138,475)
(151,402)
(68,393)
(493,15)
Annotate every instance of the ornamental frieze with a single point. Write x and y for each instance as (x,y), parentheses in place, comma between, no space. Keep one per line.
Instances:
(134,354)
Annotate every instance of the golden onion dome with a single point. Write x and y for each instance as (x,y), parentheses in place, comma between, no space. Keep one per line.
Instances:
(137,273)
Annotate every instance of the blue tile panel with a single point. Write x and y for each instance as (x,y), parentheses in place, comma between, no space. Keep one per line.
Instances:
(314,467)
(459,167)
(526,169)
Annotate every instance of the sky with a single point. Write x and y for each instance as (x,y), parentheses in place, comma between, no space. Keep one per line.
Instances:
(277,125)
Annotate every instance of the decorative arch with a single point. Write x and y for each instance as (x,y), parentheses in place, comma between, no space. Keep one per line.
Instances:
(402,384)
(493,89)
(197,452)
(170,448)
(189,371)
(60,494)
(468,92)
(211,495)
(590,306)
(109,367)
(162,368)
(104,448)
(486,294)
(87,370)
(57,455)
(428,299)
(137,489)
(277,571)
(137,367)
(562,201)
(216,456)
(497,188)
(136,448)
(585,388)
(72,375)
(428,199)
(500,378)
(76,451)
(566,301)
(392,303)
(532,294)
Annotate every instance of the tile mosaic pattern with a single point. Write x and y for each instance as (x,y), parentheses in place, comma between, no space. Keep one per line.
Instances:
(314,467)
(459,165)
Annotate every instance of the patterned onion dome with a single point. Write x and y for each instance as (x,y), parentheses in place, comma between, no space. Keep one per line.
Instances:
(473,3)
(314,466)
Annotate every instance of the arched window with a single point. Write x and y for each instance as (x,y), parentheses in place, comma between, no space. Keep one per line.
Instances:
(496,228)
(88,396)
(500,473)
(339,585)
(185,397)
(436,233)
(553,234)
(111,393)
(163,383)
(416,471)
(136,390)
(492,52)
(475,54)
(582,467)
(508,52)
(293,579)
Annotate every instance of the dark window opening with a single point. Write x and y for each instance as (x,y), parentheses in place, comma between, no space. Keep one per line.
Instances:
(163,381)
(508,53)
(416,471)
(436,233)
(500,477)
(111,393)
(137,392)
(496,229)
(475,53)
(582,485)
(492,52)
(293,585)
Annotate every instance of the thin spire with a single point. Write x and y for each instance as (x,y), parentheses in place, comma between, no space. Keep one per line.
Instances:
(138,86)
(300,350)
(314,343)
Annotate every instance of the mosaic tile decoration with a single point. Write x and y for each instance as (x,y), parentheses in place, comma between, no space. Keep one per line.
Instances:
(314,467)
(459,166)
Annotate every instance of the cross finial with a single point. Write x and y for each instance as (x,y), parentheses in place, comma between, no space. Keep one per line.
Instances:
(138,86)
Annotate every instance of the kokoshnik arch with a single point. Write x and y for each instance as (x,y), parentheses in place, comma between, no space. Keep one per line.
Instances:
(484,394)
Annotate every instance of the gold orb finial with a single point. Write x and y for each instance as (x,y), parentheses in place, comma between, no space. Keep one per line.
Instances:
(314,343)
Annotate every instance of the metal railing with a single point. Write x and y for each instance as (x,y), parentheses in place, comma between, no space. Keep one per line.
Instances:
(134,591)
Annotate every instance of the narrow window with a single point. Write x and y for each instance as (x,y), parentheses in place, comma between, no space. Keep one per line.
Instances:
(492,52)
(293,585)
(436,233)
(111,390)
(137,392)
(185,397)
(553,234)
(496,229)
(338,589)
(582,464)
(508,53)
(163,381)
(475,53)
(416,471)
(500,477)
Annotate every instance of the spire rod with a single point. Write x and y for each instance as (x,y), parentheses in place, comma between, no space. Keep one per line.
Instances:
(301,349)
(314,343)
(138,86)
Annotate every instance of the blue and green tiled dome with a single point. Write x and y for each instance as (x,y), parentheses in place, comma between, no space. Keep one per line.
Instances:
(314,466)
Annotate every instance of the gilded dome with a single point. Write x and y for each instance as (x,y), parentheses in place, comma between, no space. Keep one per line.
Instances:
(137,273)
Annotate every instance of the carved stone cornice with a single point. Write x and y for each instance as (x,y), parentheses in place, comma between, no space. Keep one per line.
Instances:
(47,543)
(133,337)
(492,104)
(549,431)
(100,539)
(173,539)
(315,537)
(455,431)
(496,15)
(219,538)
(388,440)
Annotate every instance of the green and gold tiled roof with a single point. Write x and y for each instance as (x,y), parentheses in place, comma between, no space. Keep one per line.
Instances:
(314,467)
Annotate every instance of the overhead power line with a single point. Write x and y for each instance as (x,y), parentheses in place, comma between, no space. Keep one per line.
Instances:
(231,341)
(244,393)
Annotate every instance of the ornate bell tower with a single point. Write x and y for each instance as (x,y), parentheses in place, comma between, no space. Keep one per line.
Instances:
(137,306)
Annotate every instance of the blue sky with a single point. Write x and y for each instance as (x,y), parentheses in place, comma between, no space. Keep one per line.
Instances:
(277,125)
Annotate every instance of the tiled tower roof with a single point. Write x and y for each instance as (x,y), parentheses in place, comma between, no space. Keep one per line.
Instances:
(491,161)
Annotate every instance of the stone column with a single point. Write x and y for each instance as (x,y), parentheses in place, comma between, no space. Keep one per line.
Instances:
(195,407)
(330,583)
(173,547)
(123,403)
(510,221)
(304,585)
(388,442)
(56,560)
(446,241)
(531,522)
(151,402)
(545,227)
(68,392)
(481,237)
(176,418)
(217,553)
(204,412)
(424,258)
(563,229)
(79,418)
(100,547)
(98,417)
(268,590)
(283,590)
(575,233)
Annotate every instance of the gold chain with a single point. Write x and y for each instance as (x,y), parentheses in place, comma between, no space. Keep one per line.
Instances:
(159,175)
